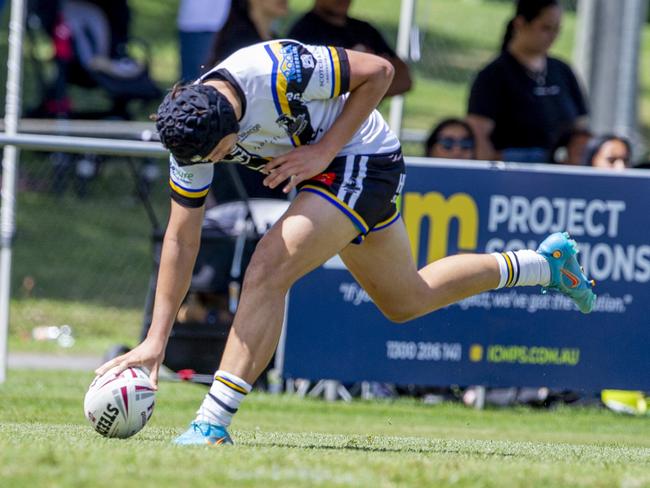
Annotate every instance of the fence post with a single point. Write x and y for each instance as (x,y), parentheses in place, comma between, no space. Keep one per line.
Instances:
(402,50)
(607,58)
(9,171)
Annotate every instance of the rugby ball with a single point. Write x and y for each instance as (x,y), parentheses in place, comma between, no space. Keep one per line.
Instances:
(120,405)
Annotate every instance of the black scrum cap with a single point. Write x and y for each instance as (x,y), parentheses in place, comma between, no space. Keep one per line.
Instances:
(191,121)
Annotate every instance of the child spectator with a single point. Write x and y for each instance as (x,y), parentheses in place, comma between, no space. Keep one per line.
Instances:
(608,152)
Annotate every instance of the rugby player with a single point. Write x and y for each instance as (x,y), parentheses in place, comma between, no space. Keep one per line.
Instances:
(305,117)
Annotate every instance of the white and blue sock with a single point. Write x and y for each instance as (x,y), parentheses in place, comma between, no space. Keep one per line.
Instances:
(223,399)
(522,268)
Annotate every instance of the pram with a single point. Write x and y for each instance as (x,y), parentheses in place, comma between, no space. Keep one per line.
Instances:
(90,49)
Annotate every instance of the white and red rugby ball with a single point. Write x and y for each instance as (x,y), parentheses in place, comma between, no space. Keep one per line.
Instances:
(120,405)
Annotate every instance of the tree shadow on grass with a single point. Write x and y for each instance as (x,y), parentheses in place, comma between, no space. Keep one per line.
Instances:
(356,444)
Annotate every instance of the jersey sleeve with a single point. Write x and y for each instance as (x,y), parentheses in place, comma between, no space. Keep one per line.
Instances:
(331,76)
(310,72)
(189,185)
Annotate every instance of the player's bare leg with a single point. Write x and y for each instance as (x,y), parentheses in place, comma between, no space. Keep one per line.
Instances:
(309,233)
(384,266)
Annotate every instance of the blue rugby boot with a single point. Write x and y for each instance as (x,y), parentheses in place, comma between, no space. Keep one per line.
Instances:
(567,276)
(204,434)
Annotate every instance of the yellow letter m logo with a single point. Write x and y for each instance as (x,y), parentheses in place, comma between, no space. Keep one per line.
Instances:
(440,211)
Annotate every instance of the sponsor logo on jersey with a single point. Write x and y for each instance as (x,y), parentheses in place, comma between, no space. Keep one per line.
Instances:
(248,132)
(180,176)
(242,156)
(293,126)
(325,178)
(307,61)
(290,65)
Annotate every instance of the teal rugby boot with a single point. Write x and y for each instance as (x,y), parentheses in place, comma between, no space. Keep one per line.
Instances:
(567,276)
(204,434)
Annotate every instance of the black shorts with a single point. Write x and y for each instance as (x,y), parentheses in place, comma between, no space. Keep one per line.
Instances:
(363,187)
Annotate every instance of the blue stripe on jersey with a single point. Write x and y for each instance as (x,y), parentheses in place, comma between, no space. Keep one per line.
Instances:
(329,53)
(279,91)
(191,190)
(274,78)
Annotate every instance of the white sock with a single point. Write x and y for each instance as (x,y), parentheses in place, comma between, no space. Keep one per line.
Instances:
(522,268)
(223,399)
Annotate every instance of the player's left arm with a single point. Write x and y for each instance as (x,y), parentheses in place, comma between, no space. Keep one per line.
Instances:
(402,82)
(370,76)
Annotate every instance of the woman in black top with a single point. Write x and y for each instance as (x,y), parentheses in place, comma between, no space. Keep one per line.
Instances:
(521,101)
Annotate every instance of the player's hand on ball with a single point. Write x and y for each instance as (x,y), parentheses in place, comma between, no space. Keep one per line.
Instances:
(147,354)
(298,165)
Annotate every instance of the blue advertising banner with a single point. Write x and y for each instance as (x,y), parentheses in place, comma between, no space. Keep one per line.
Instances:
(512,337)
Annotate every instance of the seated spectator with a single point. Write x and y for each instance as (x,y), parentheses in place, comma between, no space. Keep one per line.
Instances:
(249,22)
(521,100)
(608,152)
(452,139)
(570,146)
(198,23)
(100,44)
(328,23)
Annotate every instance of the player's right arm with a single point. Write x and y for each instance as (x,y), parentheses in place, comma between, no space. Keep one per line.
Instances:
(179,251)
(189,186)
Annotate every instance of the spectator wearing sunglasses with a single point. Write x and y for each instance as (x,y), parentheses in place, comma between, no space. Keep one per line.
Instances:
(608,152)
(452,138)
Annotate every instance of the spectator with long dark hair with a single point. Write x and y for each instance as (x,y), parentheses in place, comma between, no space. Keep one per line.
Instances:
(521,101)
(608,151)
(451,138)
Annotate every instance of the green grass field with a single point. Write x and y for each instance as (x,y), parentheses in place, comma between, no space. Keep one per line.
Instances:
(284,441)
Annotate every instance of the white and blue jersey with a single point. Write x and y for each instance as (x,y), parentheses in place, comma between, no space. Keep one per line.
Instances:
(291,94)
